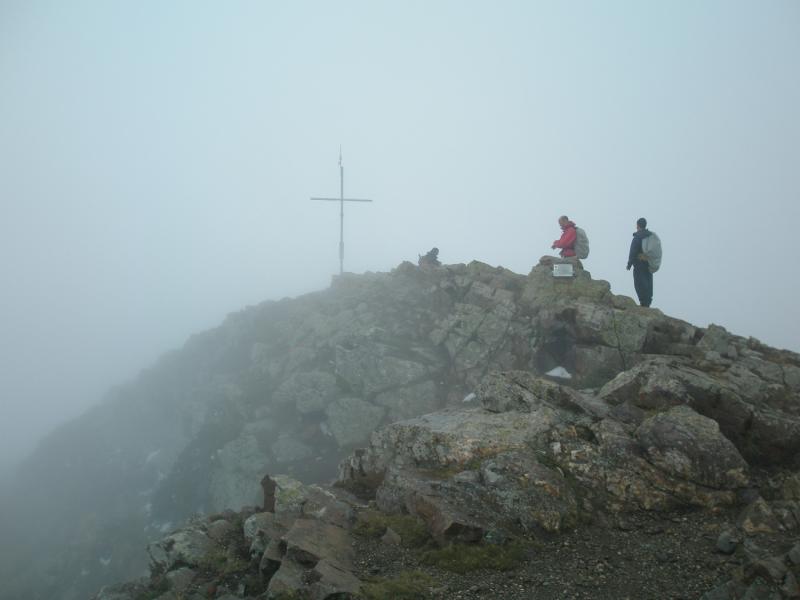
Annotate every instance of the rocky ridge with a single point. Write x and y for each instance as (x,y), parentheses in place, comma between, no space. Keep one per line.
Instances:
(658,418)
(691,421)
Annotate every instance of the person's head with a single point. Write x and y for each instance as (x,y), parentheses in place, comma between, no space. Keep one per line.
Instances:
(563,220)
(641,223)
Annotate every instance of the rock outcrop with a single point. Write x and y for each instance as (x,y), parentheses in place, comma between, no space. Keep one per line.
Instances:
(302,550)
(671,431)
(432,386)
(539,456)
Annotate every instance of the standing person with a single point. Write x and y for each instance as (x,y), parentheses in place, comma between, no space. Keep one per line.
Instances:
(642,275)
(568,236)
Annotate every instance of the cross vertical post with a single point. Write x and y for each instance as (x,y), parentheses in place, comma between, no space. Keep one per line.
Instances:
(341,199)
(341,213)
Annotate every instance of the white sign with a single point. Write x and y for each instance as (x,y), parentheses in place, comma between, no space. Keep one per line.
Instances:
(563,270)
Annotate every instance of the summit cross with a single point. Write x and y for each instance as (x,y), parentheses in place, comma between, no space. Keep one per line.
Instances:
(341,200)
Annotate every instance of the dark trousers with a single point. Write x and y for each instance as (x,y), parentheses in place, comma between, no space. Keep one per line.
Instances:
(643,282)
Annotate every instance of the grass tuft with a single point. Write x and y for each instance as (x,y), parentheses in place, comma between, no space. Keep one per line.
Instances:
(373,524)
(466,558)
(222,563)
(409,585)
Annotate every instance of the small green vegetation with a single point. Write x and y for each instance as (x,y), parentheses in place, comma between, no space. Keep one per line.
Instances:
(289,595)
(238,522)
(222,563)
(409,585)
(465,558)
(373,524)
(444,473)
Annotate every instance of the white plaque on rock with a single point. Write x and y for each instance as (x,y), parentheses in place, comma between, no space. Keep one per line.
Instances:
(563,270)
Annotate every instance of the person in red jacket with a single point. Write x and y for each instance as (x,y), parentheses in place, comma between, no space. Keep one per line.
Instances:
(568,236)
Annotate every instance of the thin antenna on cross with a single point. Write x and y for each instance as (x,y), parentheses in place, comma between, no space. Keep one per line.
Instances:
(341,200)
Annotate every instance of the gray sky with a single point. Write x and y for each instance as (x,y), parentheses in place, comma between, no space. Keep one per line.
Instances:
(156,160)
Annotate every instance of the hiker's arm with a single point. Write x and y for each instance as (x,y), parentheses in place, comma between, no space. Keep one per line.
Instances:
(567,240)
(633,252)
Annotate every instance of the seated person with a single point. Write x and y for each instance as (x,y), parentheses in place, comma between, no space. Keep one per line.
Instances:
(431,259)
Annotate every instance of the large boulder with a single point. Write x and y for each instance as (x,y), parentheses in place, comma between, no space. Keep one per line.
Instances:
(761,417)
(523,391)
(330,580)
(509,491)
(614,474)
(237,469)
(448,438)
(550,455)
(263,525)
(185,547)
(309,541)
(690,446)
(314,560)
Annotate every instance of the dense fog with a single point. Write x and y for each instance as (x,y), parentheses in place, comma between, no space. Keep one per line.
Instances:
(157,160)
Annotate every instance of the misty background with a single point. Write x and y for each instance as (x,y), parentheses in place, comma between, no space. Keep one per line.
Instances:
(157,159)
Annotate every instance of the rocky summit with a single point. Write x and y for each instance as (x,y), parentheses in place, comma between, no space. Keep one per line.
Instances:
(490,434)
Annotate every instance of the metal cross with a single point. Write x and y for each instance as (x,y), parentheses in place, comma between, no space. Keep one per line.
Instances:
(341,200)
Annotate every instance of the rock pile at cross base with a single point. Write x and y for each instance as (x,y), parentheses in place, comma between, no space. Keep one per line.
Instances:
(430,390)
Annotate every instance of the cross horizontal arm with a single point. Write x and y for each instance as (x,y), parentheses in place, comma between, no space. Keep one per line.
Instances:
(345,199)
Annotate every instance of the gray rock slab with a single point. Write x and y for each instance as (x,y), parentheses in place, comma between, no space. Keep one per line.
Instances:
(449,437)
(287,580)
(308,541)
(523,391)
(322,504)
(691,446)
(272,557)
(330,580)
